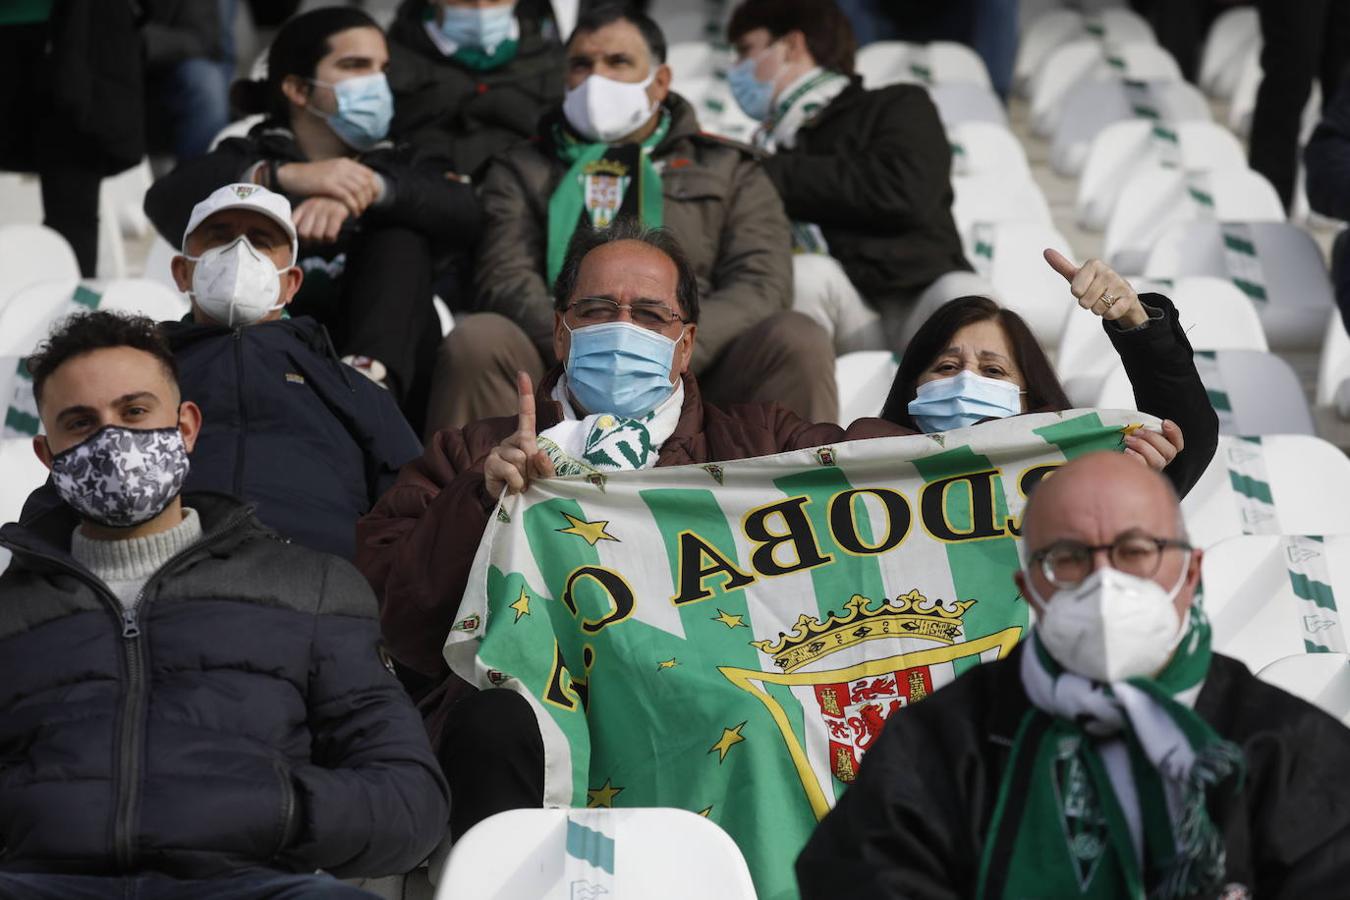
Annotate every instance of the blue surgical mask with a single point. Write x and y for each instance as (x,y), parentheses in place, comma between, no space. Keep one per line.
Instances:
(619,368)
(962,400)
(753,96)
(365,107)
(478,28)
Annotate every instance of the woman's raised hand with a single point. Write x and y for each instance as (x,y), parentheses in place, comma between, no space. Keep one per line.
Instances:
(1099,289)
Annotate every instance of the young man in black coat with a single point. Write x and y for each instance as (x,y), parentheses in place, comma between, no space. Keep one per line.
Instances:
(190,706)
(864,175)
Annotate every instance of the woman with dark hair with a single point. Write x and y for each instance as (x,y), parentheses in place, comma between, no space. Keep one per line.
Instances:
(974,360)
(375,218)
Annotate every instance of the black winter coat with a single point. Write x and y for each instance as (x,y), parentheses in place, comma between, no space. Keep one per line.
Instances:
(466,115)
(237,717)
(914,823)
(287,427)
(873,169)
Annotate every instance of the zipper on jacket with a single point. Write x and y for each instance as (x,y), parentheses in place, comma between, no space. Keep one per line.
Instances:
(243,413)
(129,738)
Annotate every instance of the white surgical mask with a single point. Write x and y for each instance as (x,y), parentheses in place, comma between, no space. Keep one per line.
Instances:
(235,284)
(605,110)
(1112,626)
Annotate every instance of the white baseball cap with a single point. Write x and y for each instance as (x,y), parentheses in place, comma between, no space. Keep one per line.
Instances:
(245,196)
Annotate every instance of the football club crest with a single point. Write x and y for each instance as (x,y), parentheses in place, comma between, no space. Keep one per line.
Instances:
(605,182)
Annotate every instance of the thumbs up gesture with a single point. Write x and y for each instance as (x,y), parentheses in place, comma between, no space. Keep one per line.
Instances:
(514,462)
(1099,289)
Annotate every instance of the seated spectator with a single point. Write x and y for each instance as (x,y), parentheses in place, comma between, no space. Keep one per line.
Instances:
(864,174)
(374,218)
(973,360)
(187,74)
(189,706)
(621,145)
(626,316)
(1327,158)
(289,428)
(1112,753)
(472,77)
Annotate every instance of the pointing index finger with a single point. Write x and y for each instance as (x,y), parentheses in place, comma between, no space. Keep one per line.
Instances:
(525,422)
(1061,264)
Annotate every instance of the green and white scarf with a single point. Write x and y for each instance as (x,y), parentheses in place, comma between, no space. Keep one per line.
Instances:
(478,59)
(1105,791)
(600,186)
(604,442)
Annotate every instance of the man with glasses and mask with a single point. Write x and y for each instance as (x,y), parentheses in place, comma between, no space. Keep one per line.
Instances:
(1113,753)
(626,316)
(622,145)
(190,706)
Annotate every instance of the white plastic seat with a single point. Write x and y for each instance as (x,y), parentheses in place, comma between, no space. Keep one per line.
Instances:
(32,253)
(689,59)
(1231,40)
(20,200)
(1213,313)
(1056,27)
(1299,296)
(1088,59)
(717,110)
(1306,478)
(1322,679)
(1093,106)
(1258,614)
(957,103)
(144,297)
(656,854)
(1122,148)
(123,197)
(983,148)
(26,319)
(994,198)
(1254,392)
(21,473)
(1151,200)
(939,62)
(864,379)
(158,262)
(1333,367)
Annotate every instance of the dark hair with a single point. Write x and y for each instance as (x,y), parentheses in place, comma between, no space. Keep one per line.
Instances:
(627,229)
(85,332)
(1043,388)
(609,13)
(828,34)
(296,50)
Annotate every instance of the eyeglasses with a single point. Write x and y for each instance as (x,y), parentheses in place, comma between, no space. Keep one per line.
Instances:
(599,310)
(1066,563)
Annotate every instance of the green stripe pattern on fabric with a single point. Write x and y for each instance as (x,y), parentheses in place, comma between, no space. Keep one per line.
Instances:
(1246,460)
(1207,366)
(21,413)
(1308,576)
(1241,260)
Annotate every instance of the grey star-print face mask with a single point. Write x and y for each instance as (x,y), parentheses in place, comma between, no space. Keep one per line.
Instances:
(121,477)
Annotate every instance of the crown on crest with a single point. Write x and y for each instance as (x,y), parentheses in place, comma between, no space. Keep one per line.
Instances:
(909,615)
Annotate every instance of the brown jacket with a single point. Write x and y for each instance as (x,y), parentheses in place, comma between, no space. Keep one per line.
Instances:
(719,204)
(417,545)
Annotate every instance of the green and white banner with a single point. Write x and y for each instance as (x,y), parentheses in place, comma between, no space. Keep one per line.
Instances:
(730,639)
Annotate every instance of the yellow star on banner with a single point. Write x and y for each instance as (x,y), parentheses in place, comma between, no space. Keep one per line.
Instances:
(522,604)
(591,532)
(704,812)
(602,796)
(667,664)
(729,620)
(730,738)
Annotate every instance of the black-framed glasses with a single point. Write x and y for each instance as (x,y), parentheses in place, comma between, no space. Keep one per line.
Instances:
(650,314)
(1066,563)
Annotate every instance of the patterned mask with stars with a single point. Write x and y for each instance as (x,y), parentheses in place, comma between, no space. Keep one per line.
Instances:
(122,477)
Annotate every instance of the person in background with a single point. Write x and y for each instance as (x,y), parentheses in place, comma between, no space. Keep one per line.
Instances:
(973,360)
(190,706)
(864,174)
(622,145)
(472,77)
(1327,161)
(375,219)
(1112,754)
(185,48)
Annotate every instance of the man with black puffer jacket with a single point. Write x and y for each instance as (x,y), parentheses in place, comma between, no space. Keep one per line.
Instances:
(190,707)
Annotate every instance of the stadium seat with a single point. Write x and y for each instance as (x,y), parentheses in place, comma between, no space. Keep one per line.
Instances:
(1231,40)
(1284,260)
(158,261)
(24,473)
(32,253)
(1056,27)
(1283,484)
(1333,368)
(1151,200)
(940,62)
(996,197)
(1214,314)
(123,197)
(1322,679)
(1271,596)
(864,379)
(983,148)
(20,199)
(958,103)
(1125,147)
(656,854)
(682,21)
(144,297)
(27,317)
(718,111)
(1254,392)
(1093,106)
(689,59)
(1090,59)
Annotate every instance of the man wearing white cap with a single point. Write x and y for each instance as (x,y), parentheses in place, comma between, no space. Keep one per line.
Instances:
(294,430)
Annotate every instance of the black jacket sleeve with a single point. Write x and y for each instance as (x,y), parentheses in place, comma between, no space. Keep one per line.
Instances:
(420,196)
(169,201)
(892,174)
(1327,158)
(1161,368)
